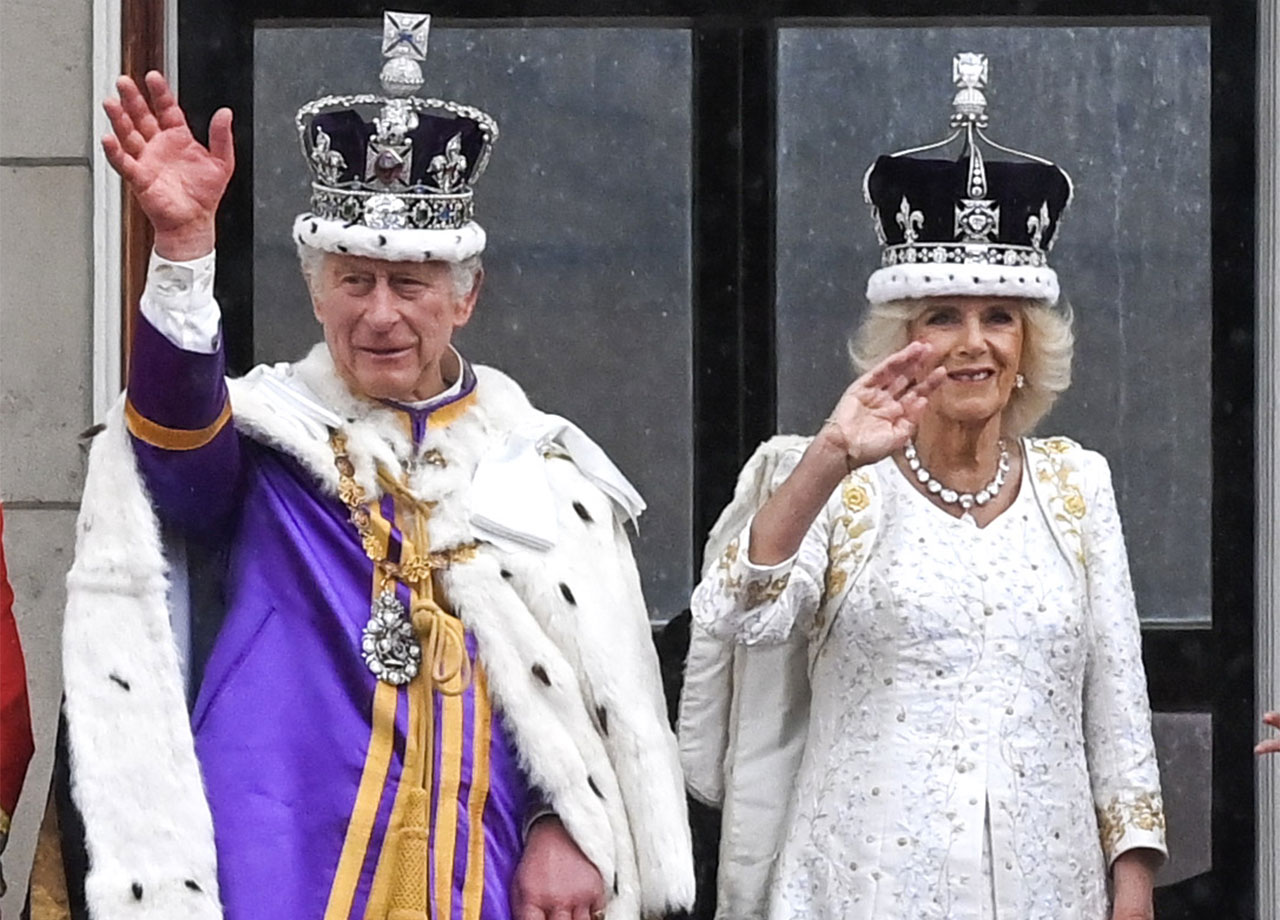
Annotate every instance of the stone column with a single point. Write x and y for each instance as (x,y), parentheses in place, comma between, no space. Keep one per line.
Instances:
(46,324)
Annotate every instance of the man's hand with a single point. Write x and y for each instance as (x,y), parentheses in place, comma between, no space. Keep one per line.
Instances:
(1271,745)
(177,181)
(1133,875)
(554,880)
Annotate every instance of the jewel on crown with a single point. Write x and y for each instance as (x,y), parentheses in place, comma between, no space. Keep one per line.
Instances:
(395,161)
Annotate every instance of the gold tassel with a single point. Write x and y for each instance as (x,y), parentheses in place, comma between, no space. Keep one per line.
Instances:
(446,668)
(408,899)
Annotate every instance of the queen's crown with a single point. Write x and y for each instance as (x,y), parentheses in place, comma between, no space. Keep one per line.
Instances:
(395,161)
(1001,209)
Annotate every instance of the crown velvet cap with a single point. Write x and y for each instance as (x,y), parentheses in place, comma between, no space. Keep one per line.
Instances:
(392,174)
(919,206)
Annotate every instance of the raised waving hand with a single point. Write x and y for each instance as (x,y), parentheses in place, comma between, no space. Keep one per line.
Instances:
(879,411)
(877,415)
(177,181)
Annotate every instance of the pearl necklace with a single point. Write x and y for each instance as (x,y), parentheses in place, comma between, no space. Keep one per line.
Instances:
(965,500)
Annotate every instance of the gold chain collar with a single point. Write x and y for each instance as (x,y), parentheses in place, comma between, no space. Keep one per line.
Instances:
(440,636)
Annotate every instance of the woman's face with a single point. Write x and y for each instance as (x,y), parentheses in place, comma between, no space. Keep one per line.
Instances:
(979,342)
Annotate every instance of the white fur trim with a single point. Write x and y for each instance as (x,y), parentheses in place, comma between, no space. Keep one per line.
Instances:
(392,245)
(135,779)
(921,279)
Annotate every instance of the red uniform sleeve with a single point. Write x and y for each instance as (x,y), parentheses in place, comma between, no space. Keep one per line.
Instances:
(16,744)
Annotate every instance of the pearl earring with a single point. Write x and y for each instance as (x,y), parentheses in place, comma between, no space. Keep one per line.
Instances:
(1019,381)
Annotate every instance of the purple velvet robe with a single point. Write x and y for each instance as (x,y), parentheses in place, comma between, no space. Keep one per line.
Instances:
(301,748)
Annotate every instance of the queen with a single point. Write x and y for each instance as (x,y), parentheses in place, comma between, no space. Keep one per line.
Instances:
(966,711)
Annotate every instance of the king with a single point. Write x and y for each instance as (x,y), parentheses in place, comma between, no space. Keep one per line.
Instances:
(433,692)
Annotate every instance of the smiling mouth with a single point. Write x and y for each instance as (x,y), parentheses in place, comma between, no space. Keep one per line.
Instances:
(976,375)
(385,352)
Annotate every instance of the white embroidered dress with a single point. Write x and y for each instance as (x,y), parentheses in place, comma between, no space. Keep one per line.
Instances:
(978,703)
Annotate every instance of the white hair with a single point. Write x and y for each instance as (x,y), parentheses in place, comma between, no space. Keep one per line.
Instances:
(465,274)
(1047,345)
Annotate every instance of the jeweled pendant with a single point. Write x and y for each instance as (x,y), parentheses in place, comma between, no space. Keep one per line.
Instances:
(389,643)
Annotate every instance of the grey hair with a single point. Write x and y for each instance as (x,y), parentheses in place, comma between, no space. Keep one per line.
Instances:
(1047,345)
(465,274)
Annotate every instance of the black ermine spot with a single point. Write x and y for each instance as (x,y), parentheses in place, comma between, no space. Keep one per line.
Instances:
(541,673)
(568,595)
(583,512)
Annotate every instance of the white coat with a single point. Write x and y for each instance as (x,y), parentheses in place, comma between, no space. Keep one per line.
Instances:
(746,714)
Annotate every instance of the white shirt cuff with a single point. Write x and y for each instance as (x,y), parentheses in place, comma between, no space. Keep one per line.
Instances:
(178,301)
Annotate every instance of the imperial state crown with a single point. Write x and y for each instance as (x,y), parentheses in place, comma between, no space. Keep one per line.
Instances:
(393,173)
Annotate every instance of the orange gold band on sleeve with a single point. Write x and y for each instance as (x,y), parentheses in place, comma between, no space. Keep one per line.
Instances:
(156,435)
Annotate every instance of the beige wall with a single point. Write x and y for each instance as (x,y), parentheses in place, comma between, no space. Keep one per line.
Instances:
(46,322)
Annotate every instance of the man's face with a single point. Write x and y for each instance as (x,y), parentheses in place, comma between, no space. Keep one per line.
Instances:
(388,324)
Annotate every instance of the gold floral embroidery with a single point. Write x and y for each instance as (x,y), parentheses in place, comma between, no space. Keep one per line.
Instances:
(847,549)
(1144,813)
(728,582)
(1066,501)
(836,579)
(854,495)
(1073,502)
(764,592)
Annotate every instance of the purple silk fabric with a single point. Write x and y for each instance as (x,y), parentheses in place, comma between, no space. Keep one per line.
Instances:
(185,390)
(282,720)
